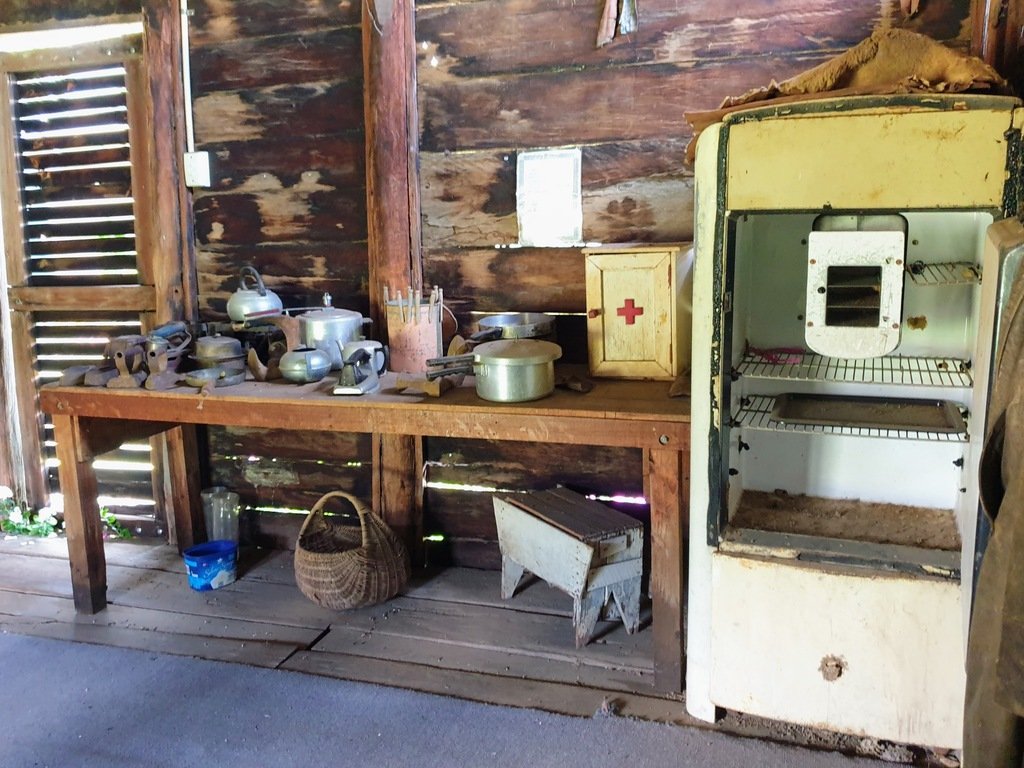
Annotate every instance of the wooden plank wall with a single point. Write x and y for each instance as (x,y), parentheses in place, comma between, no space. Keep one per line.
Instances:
(278,104)
(498,76)
(277,98)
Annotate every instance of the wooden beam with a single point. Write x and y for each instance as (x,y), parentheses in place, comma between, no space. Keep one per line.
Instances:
(169,253)
(178,493)
(22,425)
(109,298)
(86,54)
(6,441)
(669,490)
(27,455)
(391,128)
(396,487)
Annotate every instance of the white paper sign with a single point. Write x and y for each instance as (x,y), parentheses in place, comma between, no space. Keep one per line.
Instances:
(548,197)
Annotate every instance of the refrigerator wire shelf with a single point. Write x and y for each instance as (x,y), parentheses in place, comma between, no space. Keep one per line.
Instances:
(756,413)
(797,365)
(945,273)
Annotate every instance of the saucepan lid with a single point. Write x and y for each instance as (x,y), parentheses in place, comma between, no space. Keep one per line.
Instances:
(516,352)
(217,347)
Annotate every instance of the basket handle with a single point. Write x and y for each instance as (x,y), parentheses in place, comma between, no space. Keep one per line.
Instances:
(318,509)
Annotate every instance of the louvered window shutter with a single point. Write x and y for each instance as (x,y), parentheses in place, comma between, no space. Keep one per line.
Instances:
(74,273)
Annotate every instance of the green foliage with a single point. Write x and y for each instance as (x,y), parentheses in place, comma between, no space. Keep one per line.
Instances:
(18,520)
(24,522)
(112,528)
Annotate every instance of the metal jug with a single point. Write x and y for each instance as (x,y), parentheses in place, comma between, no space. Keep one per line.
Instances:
(360,372)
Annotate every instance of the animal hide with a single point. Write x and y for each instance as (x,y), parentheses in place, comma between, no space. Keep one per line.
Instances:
(889,61)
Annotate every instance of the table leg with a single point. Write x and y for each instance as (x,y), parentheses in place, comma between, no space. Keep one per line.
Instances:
(81,516)
(668,498)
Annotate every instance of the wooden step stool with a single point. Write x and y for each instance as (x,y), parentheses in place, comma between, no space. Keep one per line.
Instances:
(579,546)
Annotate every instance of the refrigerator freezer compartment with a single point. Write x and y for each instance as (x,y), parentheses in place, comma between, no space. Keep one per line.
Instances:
(848,519)
(869,412)
(854,291)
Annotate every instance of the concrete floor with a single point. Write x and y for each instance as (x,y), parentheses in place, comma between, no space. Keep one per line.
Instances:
(90,706)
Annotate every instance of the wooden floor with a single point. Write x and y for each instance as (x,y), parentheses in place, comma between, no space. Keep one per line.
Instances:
(448,633)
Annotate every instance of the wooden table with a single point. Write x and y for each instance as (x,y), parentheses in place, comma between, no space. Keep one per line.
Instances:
(90,421)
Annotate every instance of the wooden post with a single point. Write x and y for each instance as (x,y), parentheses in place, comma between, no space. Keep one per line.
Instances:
(180,486)
(391,128)
(669,491)
(167,245)
(26,457)
(168,261)
(81,516)
(396,487)
(996,35)
(393,231)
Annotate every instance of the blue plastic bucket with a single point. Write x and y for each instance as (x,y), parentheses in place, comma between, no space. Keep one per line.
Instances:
(211,565)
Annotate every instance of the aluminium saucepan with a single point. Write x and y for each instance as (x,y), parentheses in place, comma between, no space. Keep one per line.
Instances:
(507,370)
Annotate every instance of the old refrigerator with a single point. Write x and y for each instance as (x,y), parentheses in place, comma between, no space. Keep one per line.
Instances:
(849,257)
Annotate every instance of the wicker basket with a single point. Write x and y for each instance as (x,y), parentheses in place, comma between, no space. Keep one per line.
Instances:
(341,566)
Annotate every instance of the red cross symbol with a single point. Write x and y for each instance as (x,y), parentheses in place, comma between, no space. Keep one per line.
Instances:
(629,312)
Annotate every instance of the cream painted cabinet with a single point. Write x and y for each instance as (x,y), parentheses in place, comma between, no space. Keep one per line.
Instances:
(638,310)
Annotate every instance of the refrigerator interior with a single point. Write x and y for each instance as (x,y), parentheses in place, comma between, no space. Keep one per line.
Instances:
(854,459)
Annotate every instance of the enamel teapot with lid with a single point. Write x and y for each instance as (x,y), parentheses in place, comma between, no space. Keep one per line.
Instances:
(247,301)
(329,328)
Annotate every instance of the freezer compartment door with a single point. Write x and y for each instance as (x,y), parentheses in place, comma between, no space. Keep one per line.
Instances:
(854,293)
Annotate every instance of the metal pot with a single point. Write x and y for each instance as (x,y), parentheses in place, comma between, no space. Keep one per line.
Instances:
(304,365)
(219,352)
(515,325)
(508,370)
(330,328)
(253,300)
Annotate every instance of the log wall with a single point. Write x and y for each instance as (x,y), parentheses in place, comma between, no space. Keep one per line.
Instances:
(277,100)
(278,103)
(499,76)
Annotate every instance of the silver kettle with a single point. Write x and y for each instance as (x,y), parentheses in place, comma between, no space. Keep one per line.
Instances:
(247,301)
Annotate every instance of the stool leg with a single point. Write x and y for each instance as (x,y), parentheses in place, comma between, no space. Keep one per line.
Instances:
(610,612)
(627,597)
(511,573)
(585,611)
